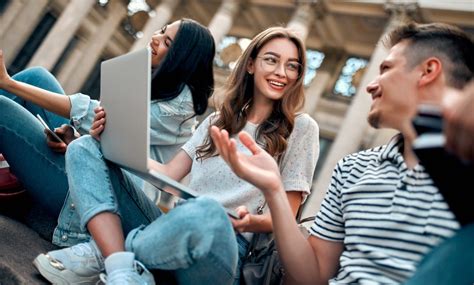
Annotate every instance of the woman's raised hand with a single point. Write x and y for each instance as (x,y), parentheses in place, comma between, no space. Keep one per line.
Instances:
(260,168)
(98,125)
(4,77)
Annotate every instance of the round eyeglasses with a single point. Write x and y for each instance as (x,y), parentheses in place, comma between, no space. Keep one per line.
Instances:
(270,63)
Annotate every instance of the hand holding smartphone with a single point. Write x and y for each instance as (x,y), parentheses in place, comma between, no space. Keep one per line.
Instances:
(428,124)
(451,175)
(53,134)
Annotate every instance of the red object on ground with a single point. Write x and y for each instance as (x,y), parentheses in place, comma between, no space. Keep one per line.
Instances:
(9,184)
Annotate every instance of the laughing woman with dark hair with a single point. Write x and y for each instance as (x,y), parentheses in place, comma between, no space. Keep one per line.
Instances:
(181,57)
(188,63)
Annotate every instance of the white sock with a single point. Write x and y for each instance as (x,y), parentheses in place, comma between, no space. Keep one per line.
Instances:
(119,260)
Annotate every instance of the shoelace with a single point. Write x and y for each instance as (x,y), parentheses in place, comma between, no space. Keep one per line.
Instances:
(124,277)
(82,249)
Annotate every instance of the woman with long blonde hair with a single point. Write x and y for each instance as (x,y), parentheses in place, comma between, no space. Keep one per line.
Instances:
(196,239)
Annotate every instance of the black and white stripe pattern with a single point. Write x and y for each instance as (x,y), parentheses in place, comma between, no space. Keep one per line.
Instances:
(387,216)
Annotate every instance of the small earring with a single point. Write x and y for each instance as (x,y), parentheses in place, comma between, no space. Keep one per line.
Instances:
(251,73)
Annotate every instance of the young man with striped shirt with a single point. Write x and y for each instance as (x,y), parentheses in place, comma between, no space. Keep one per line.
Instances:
(382,212)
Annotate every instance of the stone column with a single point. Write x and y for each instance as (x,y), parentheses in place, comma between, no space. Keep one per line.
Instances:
(69,66)
(117,10)
(301,20)
(355,124)
(63,30)
(315,90)
(18,22)
(9,15)
(222,21)
(325,76)
(400,13)
(163,13)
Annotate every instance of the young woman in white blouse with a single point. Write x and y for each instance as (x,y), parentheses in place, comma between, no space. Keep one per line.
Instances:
(196,240)
(182,56)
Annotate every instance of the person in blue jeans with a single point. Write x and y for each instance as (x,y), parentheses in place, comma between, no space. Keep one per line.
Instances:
(22,141)
(375,225)
(195,240)
(186,80)
(182,60)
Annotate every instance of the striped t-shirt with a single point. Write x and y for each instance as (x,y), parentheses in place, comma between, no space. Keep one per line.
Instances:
(387,216)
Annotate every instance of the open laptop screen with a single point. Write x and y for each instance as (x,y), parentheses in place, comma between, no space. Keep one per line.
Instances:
(125,95)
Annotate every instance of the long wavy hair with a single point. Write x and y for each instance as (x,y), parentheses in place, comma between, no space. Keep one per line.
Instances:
(273,133)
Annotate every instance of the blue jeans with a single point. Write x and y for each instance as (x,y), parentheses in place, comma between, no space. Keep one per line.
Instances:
(23,142)
(195,240)
(452,262)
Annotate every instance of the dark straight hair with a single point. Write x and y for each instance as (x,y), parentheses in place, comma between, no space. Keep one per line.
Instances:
(189,61)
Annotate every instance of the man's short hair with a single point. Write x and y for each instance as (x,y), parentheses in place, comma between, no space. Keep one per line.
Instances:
(451,45)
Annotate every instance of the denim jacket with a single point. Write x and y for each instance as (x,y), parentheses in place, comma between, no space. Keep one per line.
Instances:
(170,129)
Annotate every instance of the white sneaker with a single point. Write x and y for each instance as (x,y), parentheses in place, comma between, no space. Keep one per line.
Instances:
(79,264)
(123,269)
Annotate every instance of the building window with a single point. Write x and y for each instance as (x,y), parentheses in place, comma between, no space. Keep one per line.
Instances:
(314,60)
(324,147)
(229,50)
(33,43)
(349,79)
(138,14)
(92,85)
(135,6)
(64,56)
(3,5)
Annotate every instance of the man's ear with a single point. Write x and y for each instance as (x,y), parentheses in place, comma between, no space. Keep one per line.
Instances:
(431,69)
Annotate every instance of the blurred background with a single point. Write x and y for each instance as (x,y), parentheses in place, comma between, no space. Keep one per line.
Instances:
(72,37)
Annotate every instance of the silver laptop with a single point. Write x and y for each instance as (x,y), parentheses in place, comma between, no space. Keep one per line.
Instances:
(125,88)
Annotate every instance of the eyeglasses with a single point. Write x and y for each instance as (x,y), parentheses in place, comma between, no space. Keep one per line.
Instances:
(270,63)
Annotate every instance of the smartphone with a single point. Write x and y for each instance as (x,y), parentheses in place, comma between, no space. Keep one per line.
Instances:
(428,124)
(450,175)
(56,138)
(428,119)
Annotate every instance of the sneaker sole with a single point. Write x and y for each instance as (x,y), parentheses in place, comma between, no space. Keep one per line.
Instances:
(61,277)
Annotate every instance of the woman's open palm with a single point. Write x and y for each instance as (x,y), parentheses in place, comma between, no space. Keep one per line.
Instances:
(260,168)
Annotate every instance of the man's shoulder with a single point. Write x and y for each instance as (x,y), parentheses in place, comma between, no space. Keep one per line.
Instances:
(372,151)
(371,154)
